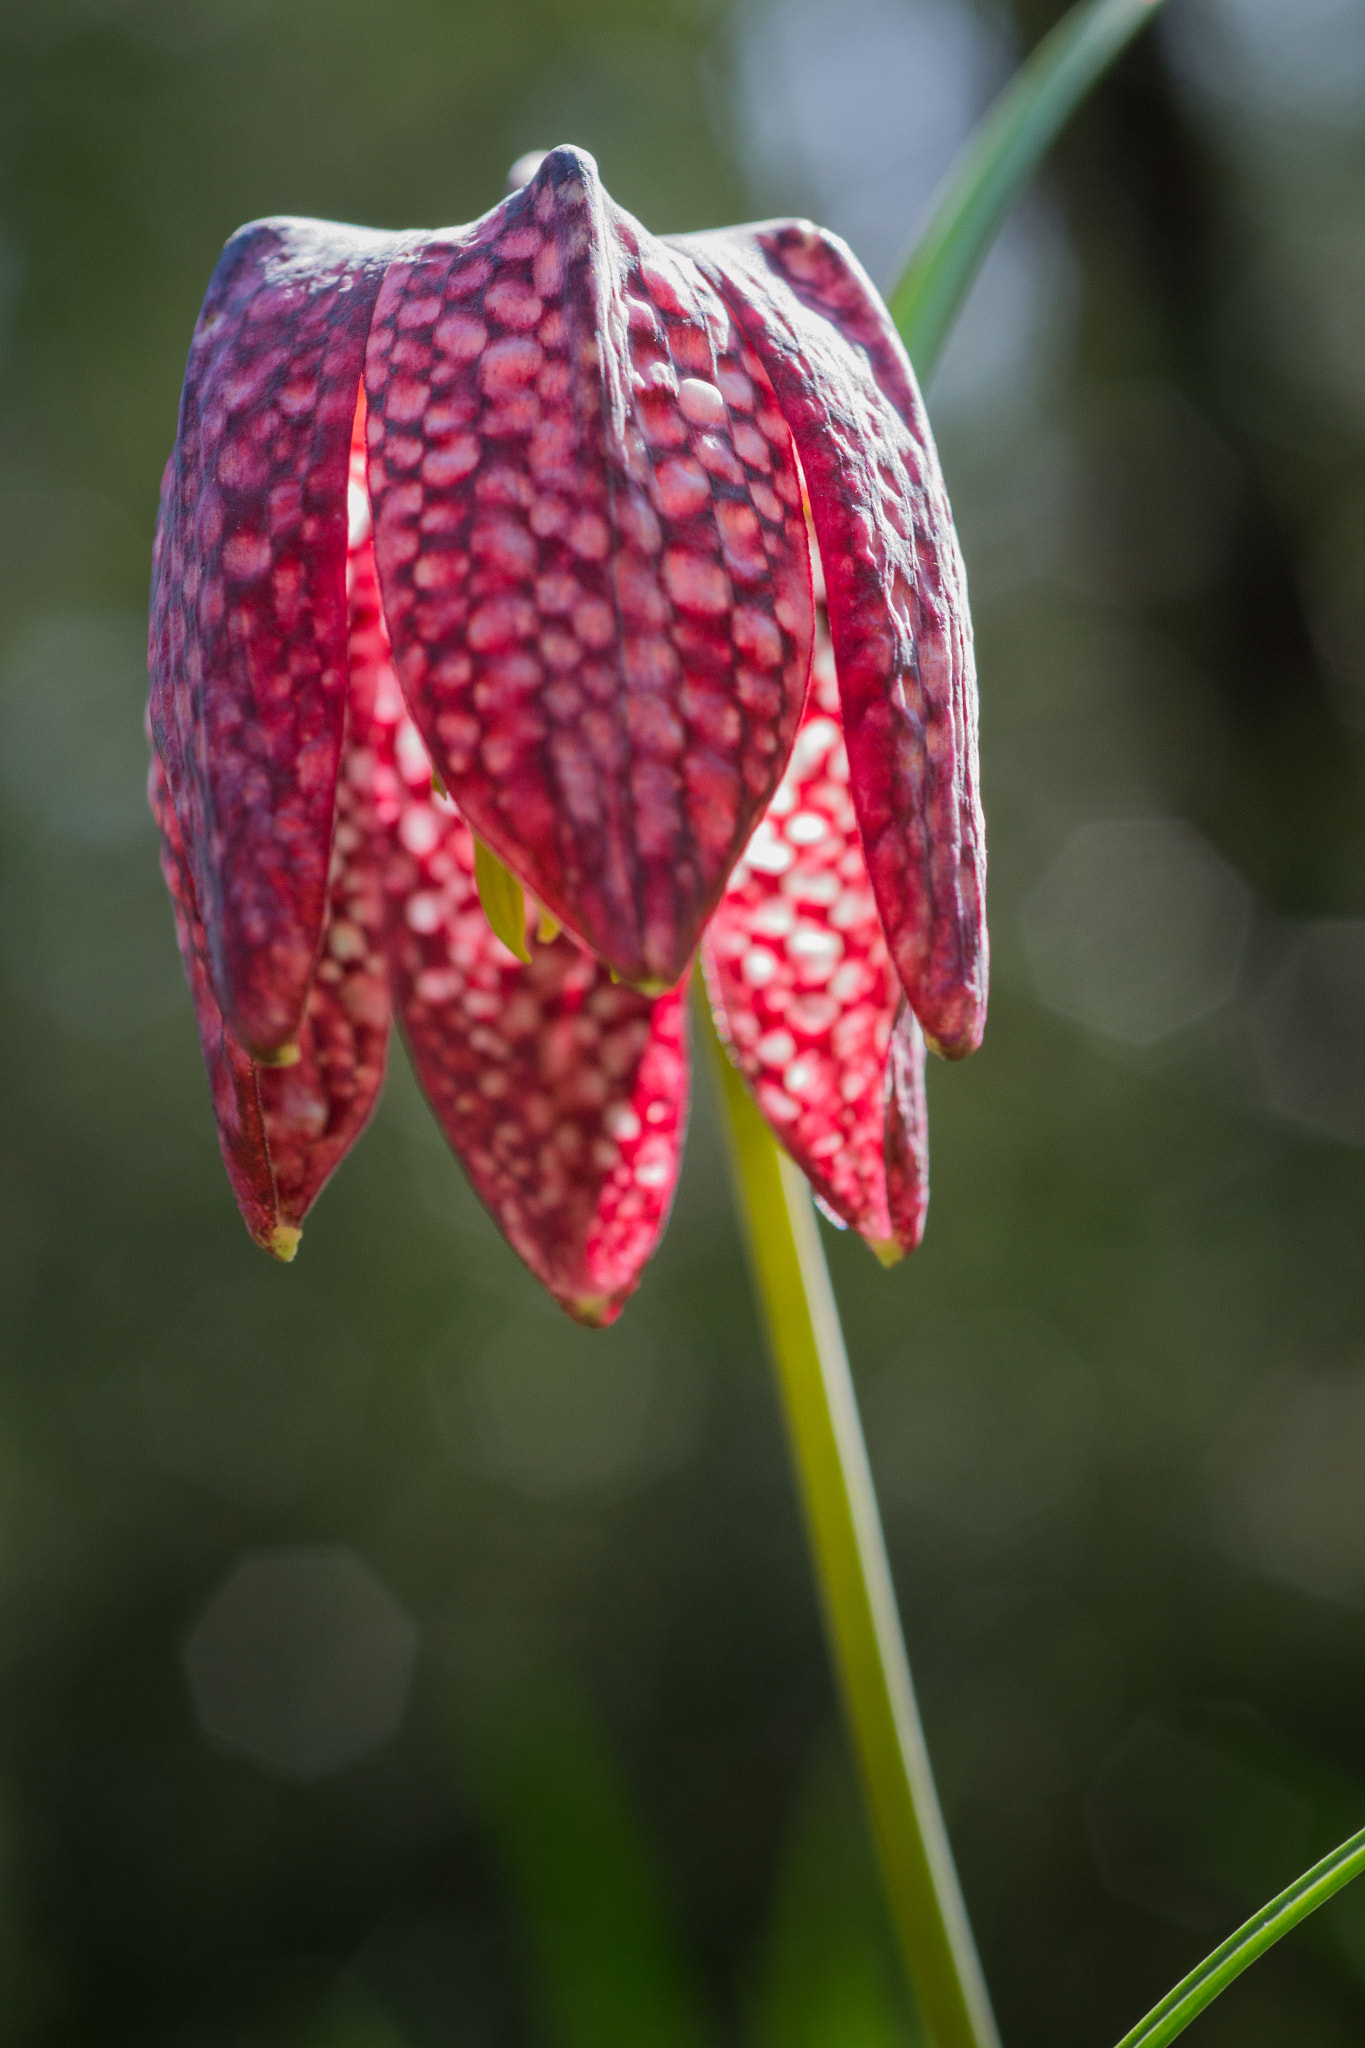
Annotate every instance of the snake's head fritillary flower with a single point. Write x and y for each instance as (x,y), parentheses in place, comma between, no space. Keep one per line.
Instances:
(485,555)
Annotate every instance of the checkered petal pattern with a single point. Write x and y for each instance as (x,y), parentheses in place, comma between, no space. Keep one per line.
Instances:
(807,999)
(248,629)
(897,600)
(590,537)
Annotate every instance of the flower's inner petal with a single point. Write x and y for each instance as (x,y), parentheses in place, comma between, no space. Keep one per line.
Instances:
(233,1077)
(806,996)
(591,545)
(897,600)
(907,1131)
(564,1094)
(316,1108)
(248,643)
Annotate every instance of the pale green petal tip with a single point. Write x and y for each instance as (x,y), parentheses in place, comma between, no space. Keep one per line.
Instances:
(282,1056)
(594,1311)
(886,1250)
(284,1242)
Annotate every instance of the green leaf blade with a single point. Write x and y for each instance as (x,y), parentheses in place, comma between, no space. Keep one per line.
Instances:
(1262,1931)
(997,164)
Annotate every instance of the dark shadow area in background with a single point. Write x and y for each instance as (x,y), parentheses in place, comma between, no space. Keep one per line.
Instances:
(345,1610)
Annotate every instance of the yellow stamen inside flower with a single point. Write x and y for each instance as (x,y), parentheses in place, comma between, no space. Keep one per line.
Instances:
(504,904)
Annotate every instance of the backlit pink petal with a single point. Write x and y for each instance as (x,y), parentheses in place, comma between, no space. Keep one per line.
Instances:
(564,1094)
(248,639)
(593,557)
(897,599)
(317,1108)
(807,999)
(907,1130)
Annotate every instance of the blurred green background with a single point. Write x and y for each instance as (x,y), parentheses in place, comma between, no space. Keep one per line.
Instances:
(386,1664)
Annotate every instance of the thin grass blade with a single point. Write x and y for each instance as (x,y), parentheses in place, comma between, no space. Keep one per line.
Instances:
(997,164)
(1261,1932)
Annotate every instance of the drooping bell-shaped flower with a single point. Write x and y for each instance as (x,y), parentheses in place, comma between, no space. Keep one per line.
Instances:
(501,531)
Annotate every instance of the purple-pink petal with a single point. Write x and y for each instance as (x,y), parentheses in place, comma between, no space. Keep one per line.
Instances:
(248,637)
(590,539)
(897,599)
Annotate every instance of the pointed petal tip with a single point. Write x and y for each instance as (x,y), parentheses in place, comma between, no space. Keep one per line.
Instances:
(961,1045)
(887,1251)
(283,1242)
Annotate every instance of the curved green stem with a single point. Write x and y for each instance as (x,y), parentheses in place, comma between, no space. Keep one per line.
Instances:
(1217,1971)
(788,1263)
(998,163)
(859,1603)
